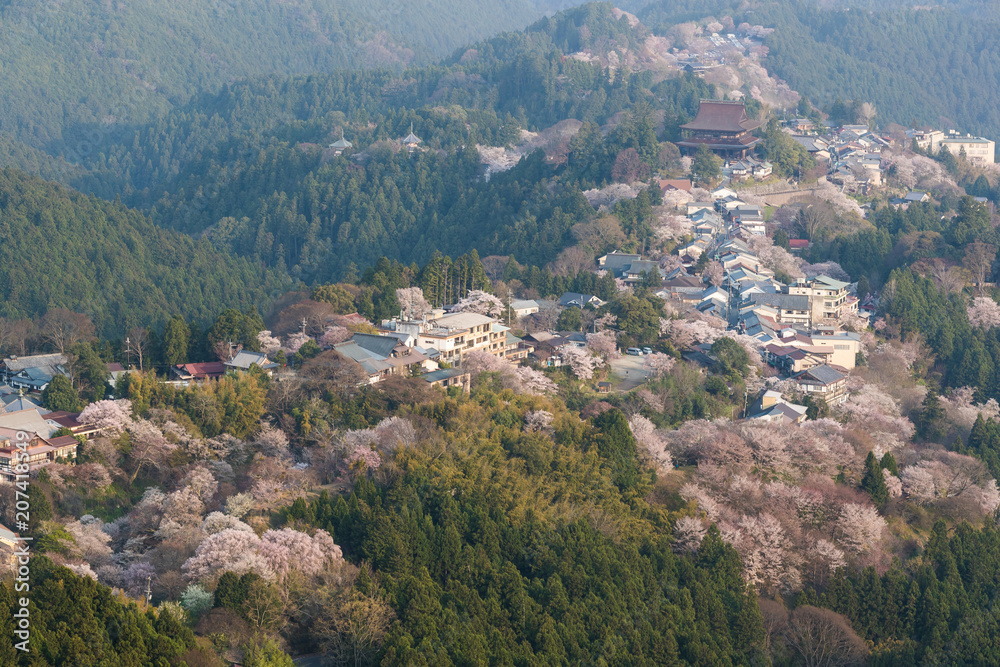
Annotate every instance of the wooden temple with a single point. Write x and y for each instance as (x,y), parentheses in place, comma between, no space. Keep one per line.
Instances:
(723,126)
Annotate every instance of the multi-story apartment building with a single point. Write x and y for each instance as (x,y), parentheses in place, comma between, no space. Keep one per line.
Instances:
(455,335)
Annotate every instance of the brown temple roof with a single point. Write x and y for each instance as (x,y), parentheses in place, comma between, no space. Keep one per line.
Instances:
(722,117)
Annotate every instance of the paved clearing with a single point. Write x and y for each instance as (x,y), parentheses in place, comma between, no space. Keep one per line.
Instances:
(627,373)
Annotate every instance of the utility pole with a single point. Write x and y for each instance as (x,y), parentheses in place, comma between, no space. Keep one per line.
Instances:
(128,352)
(510,303)
(149,590)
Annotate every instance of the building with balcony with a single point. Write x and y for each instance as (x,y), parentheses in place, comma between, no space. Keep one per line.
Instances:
(723,127)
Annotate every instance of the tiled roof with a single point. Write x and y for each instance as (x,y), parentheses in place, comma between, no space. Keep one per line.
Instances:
(722,117)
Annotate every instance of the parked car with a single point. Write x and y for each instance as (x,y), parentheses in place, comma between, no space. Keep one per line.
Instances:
(647,350)
(634,351)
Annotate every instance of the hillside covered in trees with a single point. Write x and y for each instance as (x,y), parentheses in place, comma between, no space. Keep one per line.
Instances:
(936,63)
(62,249)
(76,72)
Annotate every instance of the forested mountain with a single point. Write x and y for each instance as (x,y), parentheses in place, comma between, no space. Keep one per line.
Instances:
(75,72)
(936,65)
(248,166)
(62,249)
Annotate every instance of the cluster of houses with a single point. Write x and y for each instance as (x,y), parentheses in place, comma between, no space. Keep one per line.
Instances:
(852,153)
(24,420)
(795,323)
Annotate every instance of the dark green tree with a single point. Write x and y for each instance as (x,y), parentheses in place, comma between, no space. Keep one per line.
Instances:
(889,463)
(569,320)
(873,481)
(176,341)
(60,395)
(930,421)
(706,165)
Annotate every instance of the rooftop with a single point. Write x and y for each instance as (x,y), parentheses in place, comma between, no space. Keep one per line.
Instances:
(720,116)
(460,321)
(823,374)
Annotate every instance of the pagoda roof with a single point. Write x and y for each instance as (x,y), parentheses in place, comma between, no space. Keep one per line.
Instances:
(722,117)
(411,139)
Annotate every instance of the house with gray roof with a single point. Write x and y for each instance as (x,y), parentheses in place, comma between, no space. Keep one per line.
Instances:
(771,407)
(33,372)
(576,300)
(823,382)
(244,359)
(382,356)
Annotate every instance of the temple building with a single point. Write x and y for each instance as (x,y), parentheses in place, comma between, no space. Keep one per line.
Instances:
(411,141)
(723,126)
(341,145)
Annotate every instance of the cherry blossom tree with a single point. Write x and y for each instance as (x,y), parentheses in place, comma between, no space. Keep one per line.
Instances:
(395,432)
(202,482)
(984,312)
(530,381)
(537,420)
(961,409)
(286,550)
(775,257)
(604,344)
(769,562)
(581,362)
(334,334)
(112,417)
(611,194)
(918,483)
(522,380)
(239,505)
(83,570)
(605,321)
(704,500)
(830,554)
(412,301)
(878,414)
(669,226)
(268,344)
(655,445)
(687,333)
(893,484)
(859,527)
(650,399)
(478,301)
(295,341)
(228,550)
(149,447)
(183,507)
(271,441)
(136,577)
(216,522)
(364,458)
(688,534)
(90,540)
(714,273)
